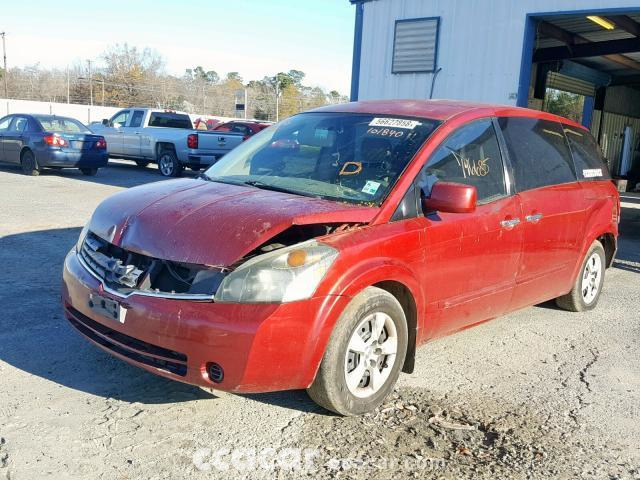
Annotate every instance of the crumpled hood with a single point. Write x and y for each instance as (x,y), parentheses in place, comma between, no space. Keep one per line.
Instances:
(201,222)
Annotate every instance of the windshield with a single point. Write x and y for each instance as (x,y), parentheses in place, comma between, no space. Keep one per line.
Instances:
(61,125)
(355,158)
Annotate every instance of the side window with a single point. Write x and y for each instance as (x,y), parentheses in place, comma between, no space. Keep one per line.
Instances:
(136,118)
(538,152)
(470,155)
(120,118)
(240,129)
(4,124)
(587,157)
(19,125)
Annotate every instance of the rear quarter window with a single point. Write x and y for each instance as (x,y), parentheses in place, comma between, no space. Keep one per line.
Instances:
(587,156)
(538,151)
(170,120)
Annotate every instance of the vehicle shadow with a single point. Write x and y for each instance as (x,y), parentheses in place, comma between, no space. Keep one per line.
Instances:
(37,339)
(118,173)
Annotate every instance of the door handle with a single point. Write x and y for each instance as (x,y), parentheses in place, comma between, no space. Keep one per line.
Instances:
(509,224)
(533,218)
(137,133)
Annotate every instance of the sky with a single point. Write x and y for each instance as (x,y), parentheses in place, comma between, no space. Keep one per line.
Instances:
(253,37)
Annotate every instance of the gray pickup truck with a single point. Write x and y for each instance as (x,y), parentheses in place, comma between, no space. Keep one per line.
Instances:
(145,135)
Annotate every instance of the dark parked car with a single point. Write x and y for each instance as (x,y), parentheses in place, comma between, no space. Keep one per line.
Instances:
(39,141)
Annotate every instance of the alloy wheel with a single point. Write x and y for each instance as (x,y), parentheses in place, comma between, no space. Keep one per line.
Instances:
(591,278)
(166,165)
(371,354)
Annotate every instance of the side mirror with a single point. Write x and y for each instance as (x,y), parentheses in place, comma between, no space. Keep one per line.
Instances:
(105,121)
(451,197)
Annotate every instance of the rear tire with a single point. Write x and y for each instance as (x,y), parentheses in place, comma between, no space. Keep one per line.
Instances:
(28,163)
(168,164)
(364,355)
(586,291)
(142,163)
(89,172)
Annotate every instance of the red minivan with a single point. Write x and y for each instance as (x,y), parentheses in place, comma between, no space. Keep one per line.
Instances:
(321,252)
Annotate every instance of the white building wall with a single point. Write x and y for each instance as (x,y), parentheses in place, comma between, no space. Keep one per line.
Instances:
(480,46)
(84,113)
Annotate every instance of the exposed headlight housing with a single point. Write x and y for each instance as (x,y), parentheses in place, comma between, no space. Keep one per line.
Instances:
(83,235)
(284,275)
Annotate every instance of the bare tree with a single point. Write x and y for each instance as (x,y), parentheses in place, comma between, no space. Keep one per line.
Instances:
(136,77)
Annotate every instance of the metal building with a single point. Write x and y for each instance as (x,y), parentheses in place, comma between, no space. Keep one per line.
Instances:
(530,53)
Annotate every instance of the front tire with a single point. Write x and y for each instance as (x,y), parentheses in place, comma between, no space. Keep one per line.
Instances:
(28,163)
(168,164)
(364,356)
(586,291)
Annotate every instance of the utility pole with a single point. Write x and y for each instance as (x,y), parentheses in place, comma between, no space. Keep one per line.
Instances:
(246,103)
(277,99)
(103,92)
(4,57)
(203,100)
(90,84)
(68,84)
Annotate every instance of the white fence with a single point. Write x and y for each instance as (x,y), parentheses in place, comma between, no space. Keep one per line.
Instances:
(85,113)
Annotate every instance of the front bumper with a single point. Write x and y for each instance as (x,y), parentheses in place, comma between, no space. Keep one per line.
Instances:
(72,159)
(261,347)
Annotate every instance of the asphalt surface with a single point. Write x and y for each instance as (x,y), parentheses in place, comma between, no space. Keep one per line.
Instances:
(540,393)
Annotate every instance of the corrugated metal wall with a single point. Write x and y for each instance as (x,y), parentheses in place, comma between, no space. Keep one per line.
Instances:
(595,122)
(623,101)
(480,46)
(612,137)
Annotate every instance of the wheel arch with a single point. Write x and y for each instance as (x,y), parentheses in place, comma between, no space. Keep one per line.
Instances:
(384,273)
(609,243)
(160,146)
(27,148)
(406,299)
(608,238)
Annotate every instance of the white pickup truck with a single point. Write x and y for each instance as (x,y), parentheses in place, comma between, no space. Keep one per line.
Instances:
(167,137)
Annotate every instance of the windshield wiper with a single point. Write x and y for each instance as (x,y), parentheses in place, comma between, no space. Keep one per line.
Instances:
(207,178)
(274,188)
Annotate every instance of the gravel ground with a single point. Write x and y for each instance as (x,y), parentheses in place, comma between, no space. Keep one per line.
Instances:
(540,393)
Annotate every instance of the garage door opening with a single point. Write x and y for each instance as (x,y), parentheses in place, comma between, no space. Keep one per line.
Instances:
(566,104)
(586,67)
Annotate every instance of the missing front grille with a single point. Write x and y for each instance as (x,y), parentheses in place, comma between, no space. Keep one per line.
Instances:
(127,271)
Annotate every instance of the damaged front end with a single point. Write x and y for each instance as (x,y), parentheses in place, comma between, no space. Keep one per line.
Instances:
(288,267)
(125,273)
